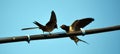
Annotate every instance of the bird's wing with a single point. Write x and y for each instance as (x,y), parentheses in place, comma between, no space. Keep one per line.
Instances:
(29,28)
(53,20)
(82,22)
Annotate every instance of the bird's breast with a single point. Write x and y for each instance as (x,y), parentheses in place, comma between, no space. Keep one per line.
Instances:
(71,29)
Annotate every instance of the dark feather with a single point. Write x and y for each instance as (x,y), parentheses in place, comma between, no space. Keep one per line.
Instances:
(29,28)
(38,24)
(82,22)
(56,26)
(52,20)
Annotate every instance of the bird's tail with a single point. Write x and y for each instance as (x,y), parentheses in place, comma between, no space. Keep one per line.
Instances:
(29,28)
(38,24)
(76,40)
(83,41)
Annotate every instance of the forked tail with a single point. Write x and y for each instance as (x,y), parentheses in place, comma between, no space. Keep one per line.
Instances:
(29,28)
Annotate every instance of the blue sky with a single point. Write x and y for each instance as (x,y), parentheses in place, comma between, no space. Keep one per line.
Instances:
(17,14)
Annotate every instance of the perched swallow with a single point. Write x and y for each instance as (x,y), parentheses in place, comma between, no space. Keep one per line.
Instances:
(76,25)
(50,26)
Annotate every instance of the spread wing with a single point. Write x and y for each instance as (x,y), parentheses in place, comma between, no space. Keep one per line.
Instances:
(53,20)
(82,22)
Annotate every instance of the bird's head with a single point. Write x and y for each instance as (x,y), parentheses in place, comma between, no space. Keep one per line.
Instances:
(64,27)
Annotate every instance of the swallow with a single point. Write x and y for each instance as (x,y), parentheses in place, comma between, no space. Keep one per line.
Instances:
(76,25)
(50,25)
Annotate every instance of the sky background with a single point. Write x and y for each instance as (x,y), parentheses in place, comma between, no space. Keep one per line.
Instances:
(17,14)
